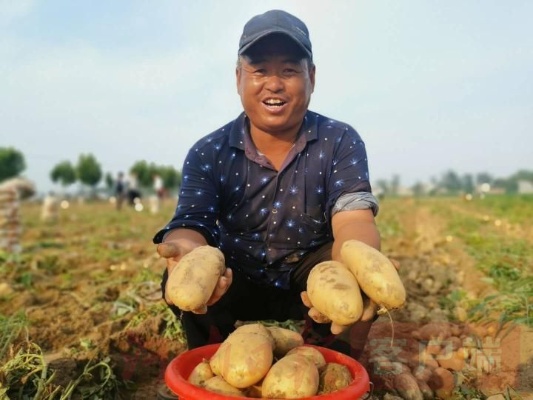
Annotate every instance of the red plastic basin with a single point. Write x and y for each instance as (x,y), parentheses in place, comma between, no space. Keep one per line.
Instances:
(179,369)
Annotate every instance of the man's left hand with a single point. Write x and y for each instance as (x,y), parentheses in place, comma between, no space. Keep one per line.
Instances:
(370,310)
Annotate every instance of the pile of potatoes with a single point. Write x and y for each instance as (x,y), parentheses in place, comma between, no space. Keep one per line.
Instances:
(10,225)
(261,361)
(447,355)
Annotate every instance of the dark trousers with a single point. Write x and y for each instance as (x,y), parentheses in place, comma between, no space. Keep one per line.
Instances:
(248,301)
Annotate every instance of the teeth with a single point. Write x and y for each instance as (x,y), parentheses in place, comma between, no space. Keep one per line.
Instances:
(274,102)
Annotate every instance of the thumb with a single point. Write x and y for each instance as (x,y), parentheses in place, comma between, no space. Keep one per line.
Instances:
(305,299)
(396,263)
(168,250)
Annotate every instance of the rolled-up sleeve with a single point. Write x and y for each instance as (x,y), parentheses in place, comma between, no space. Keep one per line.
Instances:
(356,201)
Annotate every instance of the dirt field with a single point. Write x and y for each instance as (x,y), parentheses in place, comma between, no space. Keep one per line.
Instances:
(85,289)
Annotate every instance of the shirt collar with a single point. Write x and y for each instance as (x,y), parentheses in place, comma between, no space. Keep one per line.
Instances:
(237,135)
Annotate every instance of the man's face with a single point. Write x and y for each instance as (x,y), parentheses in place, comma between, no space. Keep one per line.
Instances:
(275,85)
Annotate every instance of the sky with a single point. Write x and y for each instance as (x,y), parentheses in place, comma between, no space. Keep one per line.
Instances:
(430,85)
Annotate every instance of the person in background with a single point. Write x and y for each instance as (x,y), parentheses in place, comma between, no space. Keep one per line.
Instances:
(120,190)
(159,192)
(133,192)
(159,187)
(50,208)
(278,190)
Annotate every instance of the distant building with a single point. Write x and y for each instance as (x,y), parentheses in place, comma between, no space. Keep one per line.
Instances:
(404,191)
(525,187)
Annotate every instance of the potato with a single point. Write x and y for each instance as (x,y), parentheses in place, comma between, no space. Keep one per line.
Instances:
(254,328)
(407,387)
(422,373)
(201,373)
(442,382)
(426,391)
(291,377)
(438,331)
(333,290)
(375,273)
(333,377)
(244,358)
(193,280)
(217,384)
(284,340)
(453,361)
(311,353)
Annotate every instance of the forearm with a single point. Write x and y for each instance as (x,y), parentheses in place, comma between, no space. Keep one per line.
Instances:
(359,225)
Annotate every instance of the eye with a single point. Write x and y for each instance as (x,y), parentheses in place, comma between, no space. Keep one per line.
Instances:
(290,71)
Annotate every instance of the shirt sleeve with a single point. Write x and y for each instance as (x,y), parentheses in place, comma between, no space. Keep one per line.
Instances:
(197,207)
(349,174)
(356,201)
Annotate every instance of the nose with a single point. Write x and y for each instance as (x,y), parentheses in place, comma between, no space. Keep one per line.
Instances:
(274,83)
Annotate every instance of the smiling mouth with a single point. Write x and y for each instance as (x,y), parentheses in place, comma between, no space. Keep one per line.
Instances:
(274,102)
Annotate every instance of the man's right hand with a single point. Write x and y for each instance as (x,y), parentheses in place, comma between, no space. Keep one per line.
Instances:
(174,250)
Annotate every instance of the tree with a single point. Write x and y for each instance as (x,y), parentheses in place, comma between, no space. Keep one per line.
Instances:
(418,189)
(468,183)
(451,182)
(88,170)
(508,185)
(144,172)
(109,181)
(395,184)
(384,186)
(522,175)
(64,173)
(484,177)
(11,163)
(171,177)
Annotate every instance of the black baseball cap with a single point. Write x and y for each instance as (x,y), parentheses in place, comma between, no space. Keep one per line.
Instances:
(275,21)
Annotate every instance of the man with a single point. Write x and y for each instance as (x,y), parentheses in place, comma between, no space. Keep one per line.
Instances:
(119,190)
(278,190)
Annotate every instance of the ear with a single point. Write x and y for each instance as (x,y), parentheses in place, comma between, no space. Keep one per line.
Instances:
(238,73)
(312,72)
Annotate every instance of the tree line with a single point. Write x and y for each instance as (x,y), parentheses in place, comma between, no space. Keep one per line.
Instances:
(452,183)
(88,171)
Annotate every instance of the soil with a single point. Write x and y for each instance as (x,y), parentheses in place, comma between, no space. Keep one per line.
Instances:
(69,305)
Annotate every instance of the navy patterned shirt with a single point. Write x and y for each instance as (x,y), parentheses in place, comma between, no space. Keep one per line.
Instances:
(262,219)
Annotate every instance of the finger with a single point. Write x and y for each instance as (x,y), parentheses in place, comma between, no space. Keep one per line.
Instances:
(228,274)
(201,310)
(317,316)
(171,264)
(167,299)
(305,300)
(369,311)
(168,250)
(222,286)
(337,329)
